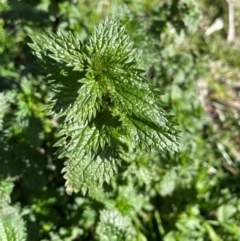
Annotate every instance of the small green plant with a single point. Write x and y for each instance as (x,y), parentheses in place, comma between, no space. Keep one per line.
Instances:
(104,101)
(12,226)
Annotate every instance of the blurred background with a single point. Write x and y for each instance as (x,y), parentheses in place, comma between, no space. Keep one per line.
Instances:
(191,52)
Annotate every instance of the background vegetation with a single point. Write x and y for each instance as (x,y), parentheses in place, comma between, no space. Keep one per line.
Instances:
(189,195)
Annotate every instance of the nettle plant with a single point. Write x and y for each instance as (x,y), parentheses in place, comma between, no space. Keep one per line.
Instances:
(104,103)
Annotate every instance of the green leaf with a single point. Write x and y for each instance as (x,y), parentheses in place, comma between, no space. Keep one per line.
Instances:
(225,213)
(168,183)
(58,47)
(112,226)
(4,105)
(12,226)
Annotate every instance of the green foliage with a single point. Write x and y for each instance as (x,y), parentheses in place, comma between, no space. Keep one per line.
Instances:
(3,108)
(112,226)
(12,227)
(152,195)
(105,101)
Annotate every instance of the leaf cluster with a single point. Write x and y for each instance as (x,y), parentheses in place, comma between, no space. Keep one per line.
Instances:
(105,102)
